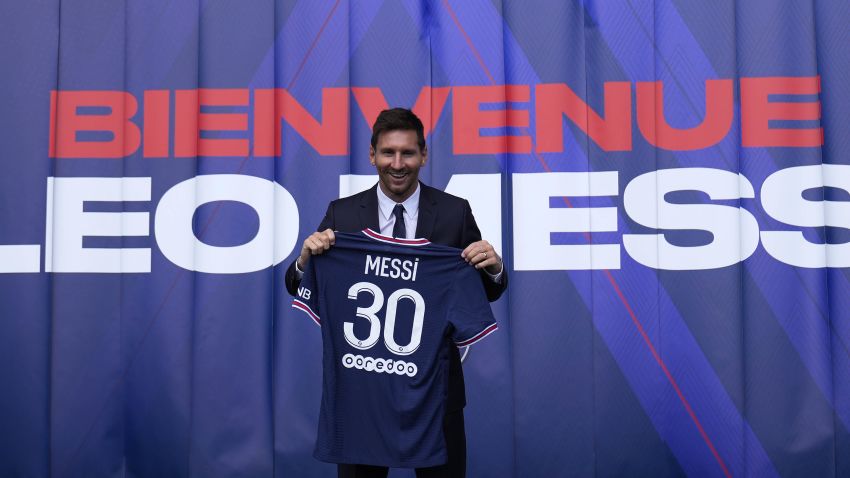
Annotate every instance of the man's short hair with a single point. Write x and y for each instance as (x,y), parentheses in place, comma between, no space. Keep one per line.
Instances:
(398,119)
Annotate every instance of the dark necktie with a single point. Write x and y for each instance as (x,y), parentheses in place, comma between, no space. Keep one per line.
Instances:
(399,230)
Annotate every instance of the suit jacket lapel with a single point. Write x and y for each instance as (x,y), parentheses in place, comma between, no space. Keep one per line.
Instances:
(369,209)
(427,212)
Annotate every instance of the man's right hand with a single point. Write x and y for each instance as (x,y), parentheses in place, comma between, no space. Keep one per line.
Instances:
(315,244)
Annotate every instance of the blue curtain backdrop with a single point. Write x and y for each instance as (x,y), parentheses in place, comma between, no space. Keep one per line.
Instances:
(159,363)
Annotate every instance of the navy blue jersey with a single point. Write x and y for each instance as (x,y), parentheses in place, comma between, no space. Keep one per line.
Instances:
(388,308)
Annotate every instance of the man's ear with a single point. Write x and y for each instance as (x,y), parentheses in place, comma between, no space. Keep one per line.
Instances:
(424,155)
(372,155)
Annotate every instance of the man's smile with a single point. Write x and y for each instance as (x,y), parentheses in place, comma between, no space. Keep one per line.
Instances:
(397,157)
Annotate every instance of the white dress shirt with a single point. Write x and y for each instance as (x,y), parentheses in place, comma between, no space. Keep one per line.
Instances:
(386,218)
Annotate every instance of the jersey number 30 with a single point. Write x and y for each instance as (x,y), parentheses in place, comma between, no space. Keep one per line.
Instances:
(369,313)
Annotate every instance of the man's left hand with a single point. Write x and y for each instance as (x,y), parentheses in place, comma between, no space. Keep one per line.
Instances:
(482,255)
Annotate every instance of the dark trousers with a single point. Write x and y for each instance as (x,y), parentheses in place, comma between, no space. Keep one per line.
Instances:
(455,434)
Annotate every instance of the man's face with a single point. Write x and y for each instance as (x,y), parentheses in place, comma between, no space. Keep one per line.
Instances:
(397,158)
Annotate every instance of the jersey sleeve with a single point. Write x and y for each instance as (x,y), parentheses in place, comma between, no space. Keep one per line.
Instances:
(307,297)
(469,311)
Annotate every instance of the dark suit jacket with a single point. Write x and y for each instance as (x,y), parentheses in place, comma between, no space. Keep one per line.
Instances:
(443,219)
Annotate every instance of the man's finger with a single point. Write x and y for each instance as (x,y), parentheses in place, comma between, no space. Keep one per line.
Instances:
(310,244)
(473,249)
(485,262)
(316,245)
(326,237)
(478,256)
(465,253)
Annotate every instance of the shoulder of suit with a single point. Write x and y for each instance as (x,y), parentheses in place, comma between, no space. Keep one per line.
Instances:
(442,197)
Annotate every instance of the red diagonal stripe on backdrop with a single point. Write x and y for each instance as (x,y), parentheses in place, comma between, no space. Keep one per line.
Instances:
(610,277)
(181,272)
(667,373)
(312,45)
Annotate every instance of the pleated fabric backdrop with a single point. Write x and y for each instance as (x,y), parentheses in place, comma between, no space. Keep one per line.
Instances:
(667,180)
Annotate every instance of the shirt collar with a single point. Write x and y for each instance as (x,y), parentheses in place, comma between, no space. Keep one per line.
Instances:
(386,205)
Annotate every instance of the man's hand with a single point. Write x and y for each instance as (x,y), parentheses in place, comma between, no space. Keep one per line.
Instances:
(481,254)
(315,244)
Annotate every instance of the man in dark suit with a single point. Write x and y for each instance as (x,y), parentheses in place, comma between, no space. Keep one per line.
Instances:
(397,206)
